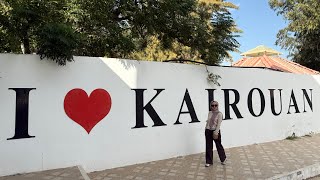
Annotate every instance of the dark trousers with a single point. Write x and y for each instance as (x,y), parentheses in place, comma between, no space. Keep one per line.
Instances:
(209,147)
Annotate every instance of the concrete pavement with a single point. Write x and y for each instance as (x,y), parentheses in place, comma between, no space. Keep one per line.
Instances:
(284,159)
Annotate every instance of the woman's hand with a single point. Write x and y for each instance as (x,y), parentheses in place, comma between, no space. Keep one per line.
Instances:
(215,136)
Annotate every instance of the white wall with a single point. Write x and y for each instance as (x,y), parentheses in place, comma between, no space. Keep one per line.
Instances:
(113,142)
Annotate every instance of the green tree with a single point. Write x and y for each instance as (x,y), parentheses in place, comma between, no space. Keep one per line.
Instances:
(57,29)
(37,26)
(302,35)
(202,32)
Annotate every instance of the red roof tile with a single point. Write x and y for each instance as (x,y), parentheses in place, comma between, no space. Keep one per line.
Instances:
(274,62)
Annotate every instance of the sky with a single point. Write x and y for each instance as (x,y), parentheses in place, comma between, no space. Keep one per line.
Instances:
(260,25)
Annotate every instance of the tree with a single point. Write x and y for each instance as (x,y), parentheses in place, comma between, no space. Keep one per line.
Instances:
(37,26)
(302,35)
(201,30)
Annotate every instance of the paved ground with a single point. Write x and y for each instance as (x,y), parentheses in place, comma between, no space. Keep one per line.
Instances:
(314,178)
(71,173)
(259,161)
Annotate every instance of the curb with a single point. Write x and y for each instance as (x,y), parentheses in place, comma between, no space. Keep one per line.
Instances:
(83,173)
(303,173)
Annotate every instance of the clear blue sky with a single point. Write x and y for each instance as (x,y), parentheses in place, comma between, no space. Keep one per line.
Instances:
(260,25)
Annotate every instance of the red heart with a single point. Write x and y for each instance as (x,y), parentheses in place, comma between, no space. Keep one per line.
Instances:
(87,111)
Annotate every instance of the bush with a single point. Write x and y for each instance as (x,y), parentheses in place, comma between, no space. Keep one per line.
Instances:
(57,42)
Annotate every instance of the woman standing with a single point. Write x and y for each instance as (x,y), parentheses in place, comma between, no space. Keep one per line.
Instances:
(212,133)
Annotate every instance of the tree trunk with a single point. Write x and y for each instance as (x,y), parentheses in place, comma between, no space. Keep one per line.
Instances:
(25,45)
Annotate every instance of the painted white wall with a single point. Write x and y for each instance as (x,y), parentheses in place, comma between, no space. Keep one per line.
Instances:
(113,142)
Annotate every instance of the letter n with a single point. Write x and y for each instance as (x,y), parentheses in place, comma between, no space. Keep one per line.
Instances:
(309,100)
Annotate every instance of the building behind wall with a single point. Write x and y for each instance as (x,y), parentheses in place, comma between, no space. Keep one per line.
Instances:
(262,56)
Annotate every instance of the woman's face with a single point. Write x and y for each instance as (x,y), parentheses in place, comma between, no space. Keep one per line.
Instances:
(214,106)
